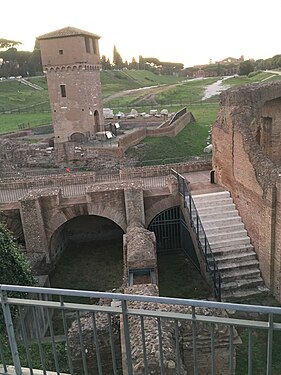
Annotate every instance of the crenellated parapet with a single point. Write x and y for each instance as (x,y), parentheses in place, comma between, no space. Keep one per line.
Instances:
(71,68)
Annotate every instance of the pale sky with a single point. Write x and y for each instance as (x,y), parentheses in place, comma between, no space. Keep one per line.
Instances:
(186,31)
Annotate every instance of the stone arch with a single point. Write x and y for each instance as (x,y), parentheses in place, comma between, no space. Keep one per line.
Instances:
(111,213)
(96,120)
(156,208)
(72,229)
(55,218)
(77,137)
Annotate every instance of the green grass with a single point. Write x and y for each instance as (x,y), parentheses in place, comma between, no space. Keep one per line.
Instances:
(242,80)
(189,142)
(115,81)
(10,122)
(14,95)
(147,78)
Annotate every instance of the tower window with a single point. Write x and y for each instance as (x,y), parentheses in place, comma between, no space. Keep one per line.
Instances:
(63,91)
(61,51)
(87,44)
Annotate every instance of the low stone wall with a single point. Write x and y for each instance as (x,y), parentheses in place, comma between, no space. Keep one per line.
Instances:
(132,139)
(185,332)
(73,178)
(104,341)
(170,131)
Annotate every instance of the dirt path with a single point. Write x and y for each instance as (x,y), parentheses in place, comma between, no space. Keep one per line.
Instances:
(146,93)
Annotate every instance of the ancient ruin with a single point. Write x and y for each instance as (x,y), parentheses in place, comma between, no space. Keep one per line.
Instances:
(246,160)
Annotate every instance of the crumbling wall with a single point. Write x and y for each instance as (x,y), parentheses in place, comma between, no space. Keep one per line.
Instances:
(243,164)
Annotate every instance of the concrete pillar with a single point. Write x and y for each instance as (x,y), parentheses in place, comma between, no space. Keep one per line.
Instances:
(34,231)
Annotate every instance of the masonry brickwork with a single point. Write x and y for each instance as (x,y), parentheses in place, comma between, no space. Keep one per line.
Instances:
(71,61)
(246,158)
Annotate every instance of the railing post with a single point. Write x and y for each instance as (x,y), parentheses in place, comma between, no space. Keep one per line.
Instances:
(190,210)
(197,226)
(10,332)
(127,337)
(269,345)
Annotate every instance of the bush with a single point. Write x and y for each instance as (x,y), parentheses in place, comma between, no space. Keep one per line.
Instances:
(14,268)
(253,74)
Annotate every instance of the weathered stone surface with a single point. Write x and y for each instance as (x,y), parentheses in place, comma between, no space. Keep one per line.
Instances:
(140,248)
(185,336)
(89,345)
(247,157)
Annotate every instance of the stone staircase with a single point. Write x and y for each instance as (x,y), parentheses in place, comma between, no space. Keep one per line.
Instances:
(231,247)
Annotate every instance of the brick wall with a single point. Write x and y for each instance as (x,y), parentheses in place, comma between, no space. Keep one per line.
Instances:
(246,165)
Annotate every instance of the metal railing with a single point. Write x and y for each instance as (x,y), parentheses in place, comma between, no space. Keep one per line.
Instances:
(116,337)
(202,240)
(75,185)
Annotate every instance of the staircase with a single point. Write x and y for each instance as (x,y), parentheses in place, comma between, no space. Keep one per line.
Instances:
(230,244)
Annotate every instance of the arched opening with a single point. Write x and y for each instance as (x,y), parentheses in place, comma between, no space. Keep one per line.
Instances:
(78,137)
(97,121)
(87,253)
(178,265)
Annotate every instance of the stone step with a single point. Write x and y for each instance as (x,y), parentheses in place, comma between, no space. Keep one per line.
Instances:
(218,209)
(221,222)
(210,196)
(232,266)
(230,245)
(232,249)
(226,235)
(238,275)
(212,203)
(207,216)
(224,229)
(242,283)
(235,257)
(239,241)
(244,294)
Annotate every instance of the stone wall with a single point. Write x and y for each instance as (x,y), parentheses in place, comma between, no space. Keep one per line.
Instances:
(170,131)
(247,163)
(185,332)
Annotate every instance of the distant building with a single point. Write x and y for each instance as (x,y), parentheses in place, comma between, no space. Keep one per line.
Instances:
(71,61)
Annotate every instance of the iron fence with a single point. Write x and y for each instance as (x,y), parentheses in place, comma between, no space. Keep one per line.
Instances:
(116,338)
(77,184)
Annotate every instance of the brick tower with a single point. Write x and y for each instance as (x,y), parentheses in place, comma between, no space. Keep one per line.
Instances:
(71,61)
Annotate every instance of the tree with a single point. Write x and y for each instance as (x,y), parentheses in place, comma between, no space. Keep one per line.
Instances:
(246,67)
(133,64)
(14,268)
(117,59)
(6,43)
(105,63)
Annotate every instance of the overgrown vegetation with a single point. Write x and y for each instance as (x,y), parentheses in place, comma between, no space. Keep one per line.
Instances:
(13,265)
(14,268)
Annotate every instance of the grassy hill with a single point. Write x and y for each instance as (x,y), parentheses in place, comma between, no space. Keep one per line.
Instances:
(29,107)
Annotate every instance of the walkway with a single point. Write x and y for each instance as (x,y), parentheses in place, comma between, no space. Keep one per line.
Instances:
(199,183)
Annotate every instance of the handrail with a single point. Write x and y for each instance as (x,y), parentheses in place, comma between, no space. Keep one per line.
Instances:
(202,240)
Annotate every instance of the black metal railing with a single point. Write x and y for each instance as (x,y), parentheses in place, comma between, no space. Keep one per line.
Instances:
(202,240)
